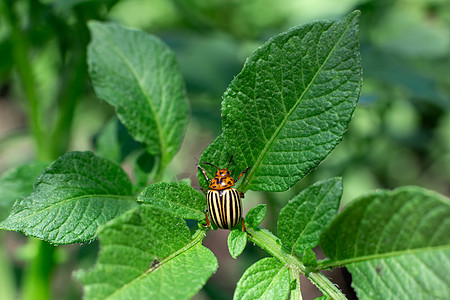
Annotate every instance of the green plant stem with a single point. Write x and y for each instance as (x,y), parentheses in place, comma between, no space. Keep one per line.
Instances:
(75,76)
(296,293)
(36,284)
(8,290)
(37,276)
(162,165)
(21,60)
(272,245)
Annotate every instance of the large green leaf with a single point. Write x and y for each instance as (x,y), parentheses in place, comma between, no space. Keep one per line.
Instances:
(266,279)
(18,182)
(292,102)
(71,199)
(148,253)
(178,197)
(395,243)
(302,220)
(138,75)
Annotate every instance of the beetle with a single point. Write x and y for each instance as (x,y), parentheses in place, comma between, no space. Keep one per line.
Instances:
(224,202)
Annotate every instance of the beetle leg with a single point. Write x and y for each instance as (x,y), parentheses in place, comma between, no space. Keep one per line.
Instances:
(242,173)
(244,228)
(204,173)
(208,224)
(241,194)
(229,163)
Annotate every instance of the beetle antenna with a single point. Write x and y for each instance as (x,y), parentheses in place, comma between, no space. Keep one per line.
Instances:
(207,163)
(229,163)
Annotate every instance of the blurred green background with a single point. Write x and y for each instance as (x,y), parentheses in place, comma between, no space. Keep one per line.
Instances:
(400,133)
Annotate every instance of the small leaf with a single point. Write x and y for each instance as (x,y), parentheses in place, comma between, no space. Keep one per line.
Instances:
(292,102)
(256,215)
(76,194)
(143,165)
(302,220)
(309,258)
(395,244)
(114,142)
(266,279)
(178,197)
(138,75)
(148,253)
(237,240)
(18,182)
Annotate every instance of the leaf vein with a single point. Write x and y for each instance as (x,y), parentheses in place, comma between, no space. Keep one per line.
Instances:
(279,128)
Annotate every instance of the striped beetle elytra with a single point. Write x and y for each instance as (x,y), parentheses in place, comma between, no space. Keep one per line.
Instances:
(223,201)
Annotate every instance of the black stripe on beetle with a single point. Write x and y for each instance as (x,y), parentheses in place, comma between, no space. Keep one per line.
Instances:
(223,201)
(225,207)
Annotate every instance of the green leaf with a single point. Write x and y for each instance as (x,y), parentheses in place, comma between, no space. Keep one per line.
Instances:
(114,141)
(71,199)
(302,220)
(256,215)
(148,253)
(237,240)
(143,166)
(138,75)
(292,102)
(395,244)
(178,197)
(266,279)
(309,258)
(18,182)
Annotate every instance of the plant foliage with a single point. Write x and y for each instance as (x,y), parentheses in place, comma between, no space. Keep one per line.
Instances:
(138,75)
(70,200)
(390,235)
(291,103)
(148,253)
(281,115)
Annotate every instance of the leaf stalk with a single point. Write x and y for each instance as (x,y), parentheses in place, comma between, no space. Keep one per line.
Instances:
(272,245)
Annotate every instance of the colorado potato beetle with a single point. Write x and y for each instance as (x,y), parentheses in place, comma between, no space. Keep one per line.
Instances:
(224,202)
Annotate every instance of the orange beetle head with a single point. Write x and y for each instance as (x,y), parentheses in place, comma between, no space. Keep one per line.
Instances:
(222,179)
(222,173)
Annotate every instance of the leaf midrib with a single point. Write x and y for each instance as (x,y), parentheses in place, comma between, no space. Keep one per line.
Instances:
(172,203)
(274,279)
(312,220)
(347,261)
(125,60)
(196,239)
(59,203)
(255,167)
